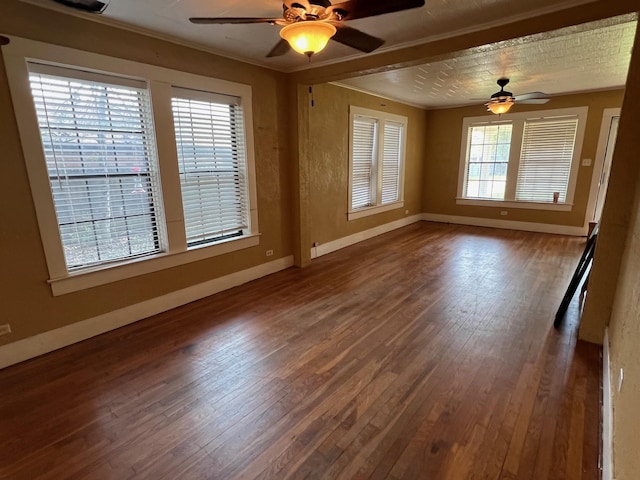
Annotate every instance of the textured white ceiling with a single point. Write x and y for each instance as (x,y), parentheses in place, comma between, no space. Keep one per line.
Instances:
(581,58)
(584,58)
(438,18)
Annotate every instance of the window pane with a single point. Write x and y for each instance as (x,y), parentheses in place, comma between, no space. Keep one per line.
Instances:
(98,145)
(391,162)
(362,161)
(489,147)
(545,161)
(212,166)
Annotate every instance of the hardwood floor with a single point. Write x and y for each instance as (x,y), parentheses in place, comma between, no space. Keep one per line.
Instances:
(427,352)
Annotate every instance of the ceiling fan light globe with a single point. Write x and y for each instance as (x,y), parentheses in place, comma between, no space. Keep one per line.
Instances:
(308,37)
(499,106)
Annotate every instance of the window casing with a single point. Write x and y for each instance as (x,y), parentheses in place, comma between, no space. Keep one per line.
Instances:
(376,162)
(98,144)
(104,165)
(210,142)
(523,160)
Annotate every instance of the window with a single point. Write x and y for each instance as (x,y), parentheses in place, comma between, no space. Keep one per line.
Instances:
(98,145)
(489,147)
(545,159)
(211,156)
(133,168)
(522,160)
(376,177)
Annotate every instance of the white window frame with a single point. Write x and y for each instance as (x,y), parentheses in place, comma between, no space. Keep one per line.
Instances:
(160,82)
(381,117)
(518,120)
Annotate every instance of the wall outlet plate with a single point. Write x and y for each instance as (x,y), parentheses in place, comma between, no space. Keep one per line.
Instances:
(5,329)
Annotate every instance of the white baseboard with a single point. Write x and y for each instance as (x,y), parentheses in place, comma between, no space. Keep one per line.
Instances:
(343,242)
(42,343)
(607,412)
(507,224)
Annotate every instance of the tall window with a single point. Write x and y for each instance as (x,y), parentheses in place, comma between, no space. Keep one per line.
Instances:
(528,159)
(545,160)
(133,168)
(376,177)
(98,143)
(211,160)
(489,147)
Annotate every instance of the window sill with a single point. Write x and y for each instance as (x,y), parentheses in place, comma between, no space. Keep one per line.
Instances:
(114,272)
(479,202)
(366,211)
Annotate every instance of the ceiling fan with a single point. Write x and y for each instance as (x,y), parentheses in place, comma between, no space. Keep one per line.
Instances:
(309,24)
(91,6)
(502,101)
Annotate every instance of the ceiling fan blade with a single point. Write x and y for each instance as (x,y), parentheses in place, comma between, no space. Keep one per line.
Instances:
(280,48)
(531,95)
(356,39)
(352,9)
(236,20)
(533,101)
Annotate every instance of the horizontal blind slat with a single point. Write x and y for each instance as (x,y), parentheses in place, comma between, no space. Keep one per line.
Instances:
(362,150)
(545,160)
(212,164)
(97,138)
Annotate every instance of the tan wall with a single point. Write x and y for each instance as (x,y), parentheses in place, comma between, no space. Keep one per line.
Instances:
(444,138)
(329,162)
(625,338)
(615,280)
(26,299)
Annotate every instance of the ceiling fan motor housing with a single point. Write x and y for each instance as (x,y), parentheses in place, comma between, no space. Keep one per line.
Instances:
(502,82)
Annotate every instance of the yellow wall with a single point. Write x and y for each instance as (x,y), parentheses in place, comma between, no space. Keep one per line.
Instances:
(308,199)
(444,138)
(613,297)
(329,162)
(26,302)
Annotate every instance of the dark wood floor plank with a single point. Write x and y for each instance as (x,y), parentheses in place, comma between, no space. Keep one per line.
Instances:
(426,352)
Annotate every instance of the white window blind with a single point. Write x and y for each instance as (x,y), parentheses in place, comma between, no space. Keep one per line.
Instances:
(392,151)
(212,165)
(364,138)
(99,147)
(545,161)
(488,159)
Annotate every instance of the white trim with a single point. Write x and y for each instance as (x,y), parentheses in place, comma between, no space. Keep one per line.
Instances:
(42,343)
(598,161)
(366,211)
(487,202)
(380,119)
(109,273)
(518,120)
(607,412)
(17,54)
(343,242)
(506,224)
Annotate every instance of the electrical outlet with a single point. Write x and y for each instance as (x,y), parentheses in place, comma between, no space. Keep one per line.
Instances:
(586,162)
(406,212)
(5,329)
(269,253)
(504,213)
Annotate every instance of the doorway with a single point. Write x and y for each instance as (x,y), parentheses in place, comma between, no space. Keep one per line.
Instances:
(602,165)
